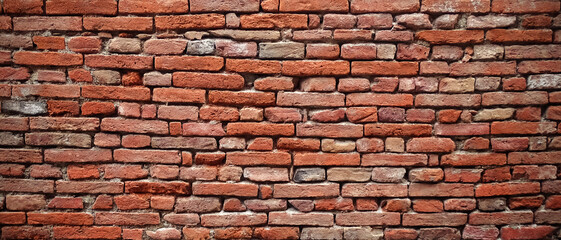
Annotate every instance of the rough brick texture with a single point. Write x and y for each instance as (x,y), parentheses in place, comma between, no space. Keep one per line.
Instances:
(280,119)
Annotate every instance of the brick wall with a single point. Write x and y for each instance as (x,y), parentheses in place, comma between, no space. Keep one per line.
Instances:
(280,119)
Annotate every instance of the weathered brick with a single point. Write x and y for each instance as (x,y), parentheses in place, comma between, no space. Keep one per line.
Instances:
(189,22)
(42,23)
(142,7)
(70,7)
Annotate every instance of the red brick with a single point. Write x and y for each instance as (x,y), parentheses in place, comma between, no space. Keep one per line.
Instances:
(143,7)
(532,51)
(82,172)
(271,21)
(367,219)
(196,233)
(206,63)
(78,155)
(147,156)
(366,204)
(518,36)
(210,158)
(461,129)
(181,188)
(480,232)
(276,233)
(208,80)
(514,98)
(140,24)
(127,219)
(305,190)
(455,100)
(197,204)
(530,6)
(66,203)
(450,36)
(442,6)
(508,188)
(225,189)
(12,218)
(253,66)
(59,218)
(46,90)
(480,69)
(393,36)
(88,187)
(25,7)
(430,144)
(329,130)
(179,95)
(509,144)
(12,170)
(310,99)
(107,140)
(331,204)
(124,171)
(502,128)
(14,124)
(441,190)
(217,113)
(82,232)
(25,202)
(190,22)
(258,158)
(385,68)
(322,51)
(63,108)
(397,129)
(361,114)
(473,159)
(49,43)
(25,232)
(310,68)
(313,6)
(98,108)
(274,84)
(549,66)
(374,190)
(434,219)
(420,115)
(47,58)
(459,204)
(203,129)
(85,44)
(534,232)
(534,158)
(364,6)
(501,218)
(132,201)
(72,7)
(41,23)
(233,6)
(64,124)
(400,234)
(5,23)
(326,159)
(9,73)
(379,99)
(309,144)
(134,126)
(119,61)
(531,202)
(233,219)
(427,205)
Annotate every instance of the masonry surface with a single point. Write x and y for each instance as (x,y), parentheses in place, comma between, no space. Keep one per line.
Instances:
(280,119)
